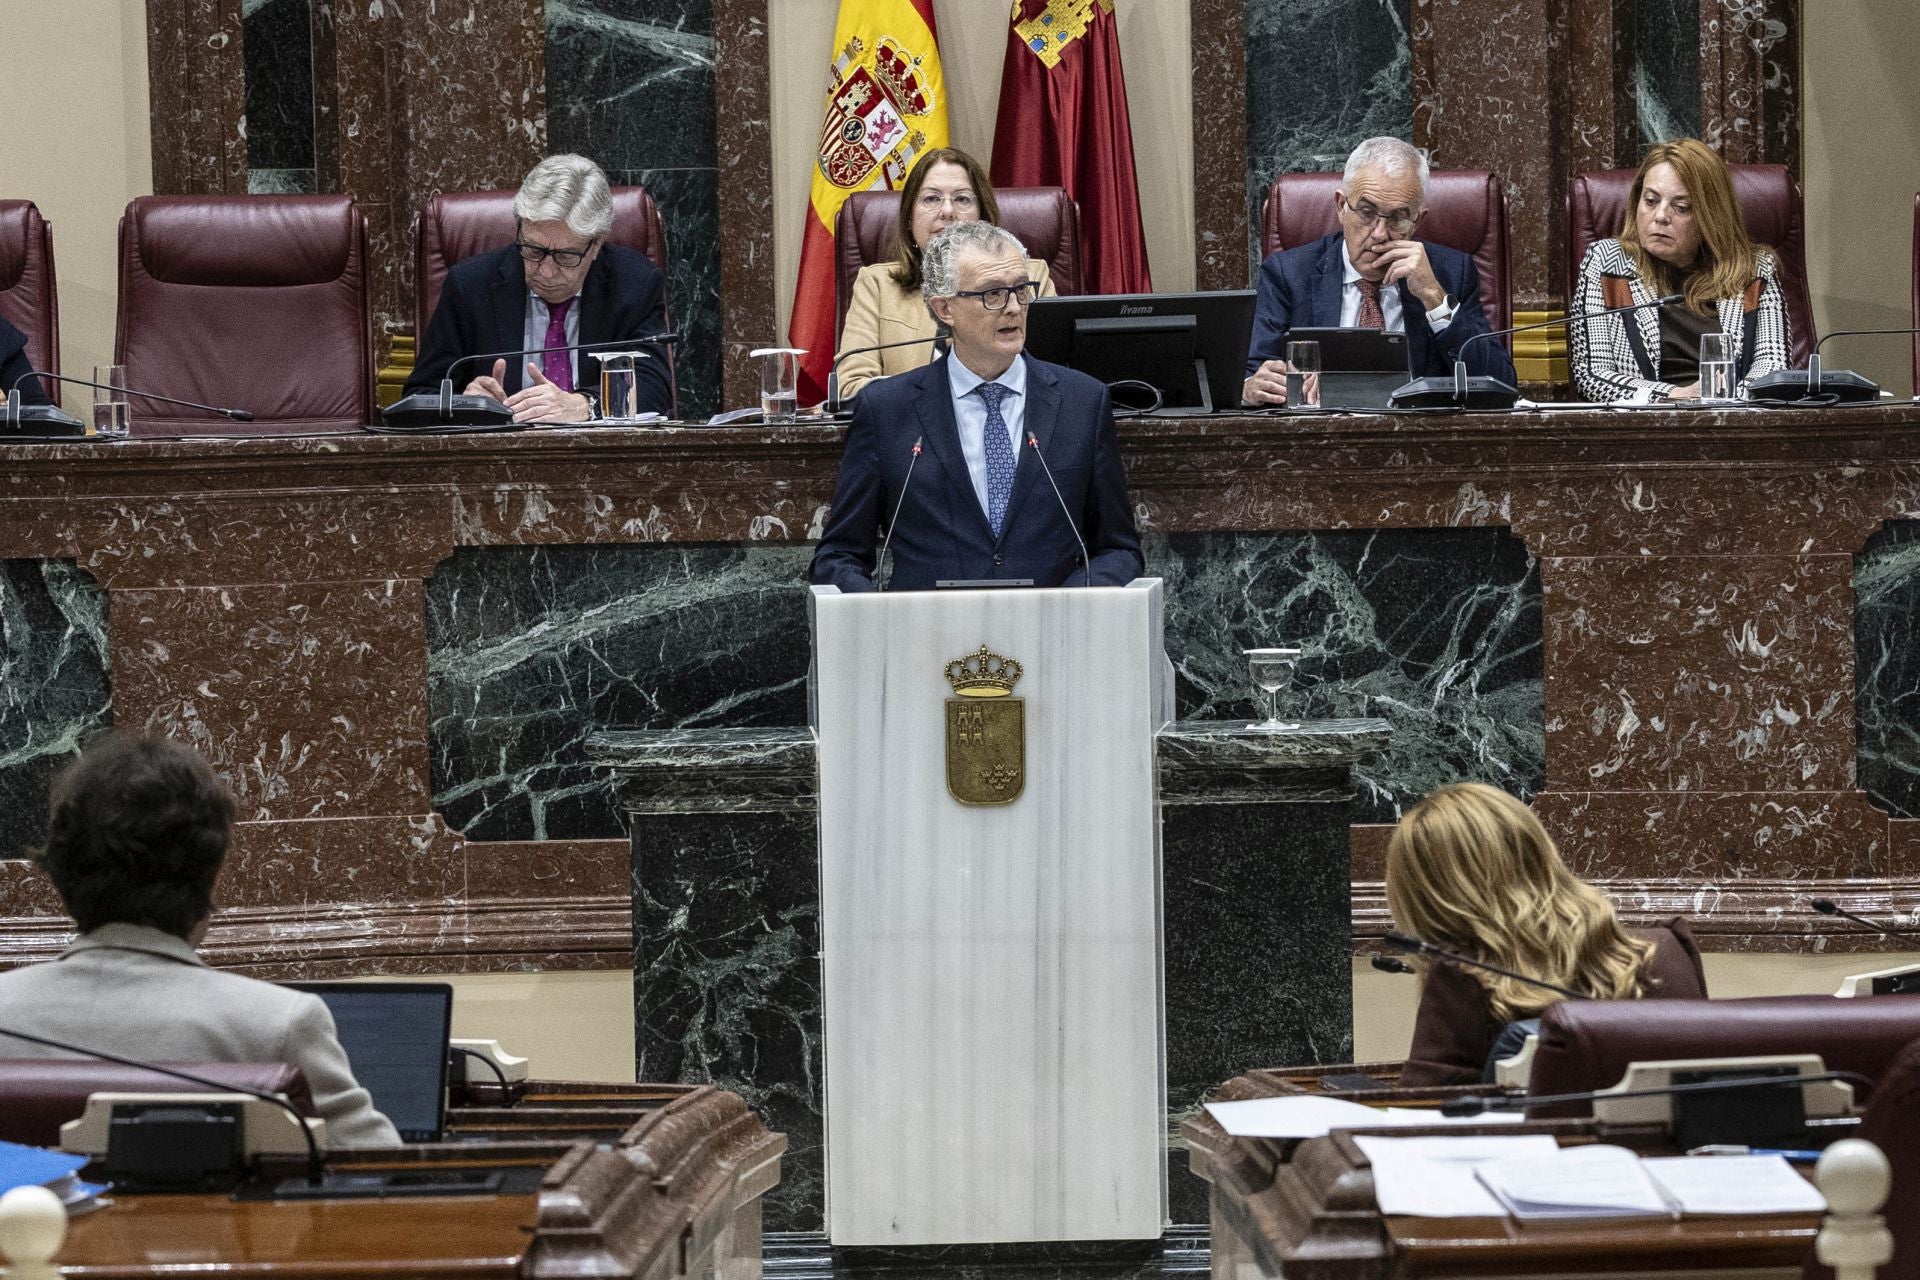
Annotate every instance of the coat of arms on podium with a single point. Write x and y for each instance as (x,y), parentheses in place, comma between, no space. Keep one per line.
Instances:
(986,730)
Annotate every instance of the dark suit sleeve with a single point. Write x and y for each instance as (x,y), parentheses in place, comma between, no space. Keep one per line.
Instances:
(1452,1031)
(1113,543)
(14,366)
(1487,359)
(453,332)
(845,556)
(1272,314)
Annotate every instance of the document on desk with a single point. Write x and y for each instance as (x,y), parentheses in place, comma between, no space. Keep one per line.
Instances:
(1598,1181)
(1310,1116)
(1433,1177)
(1735,1184)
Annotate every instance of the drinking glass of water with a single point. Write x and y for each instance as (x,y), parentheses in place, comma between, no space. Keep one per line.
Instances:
(1272,671)
(1716,369)
(1303,375)
(779,382)
(111,414)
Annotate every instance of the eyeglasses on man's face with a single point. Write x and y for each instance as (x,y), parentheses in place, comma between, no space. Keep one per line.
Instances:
(962,201)
(566,259)
(1399,221)
(994,297)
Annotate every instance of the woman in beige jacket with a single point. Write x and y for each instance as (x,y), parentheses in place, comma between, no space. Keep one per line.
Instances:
(945,187)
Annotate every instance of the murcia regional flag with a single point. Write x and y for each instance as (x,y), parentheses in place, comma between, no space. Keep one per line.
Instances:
(886,106)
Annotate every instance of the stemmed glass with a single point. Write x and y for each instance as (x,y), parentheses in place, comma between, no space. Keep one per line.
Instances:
(1272,671)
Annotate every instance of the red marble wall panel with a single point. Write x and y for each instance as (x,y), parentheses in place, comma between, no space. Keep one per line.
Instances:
(1749,80)
(745,147)
(1708,842)
(196,71)
(1219,63)
(1678,674)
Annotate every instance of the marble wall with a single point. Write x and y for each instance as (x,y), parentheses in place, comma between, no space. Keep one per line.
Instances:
(1886,666)
(1666,69)
(279,58)
(53,686)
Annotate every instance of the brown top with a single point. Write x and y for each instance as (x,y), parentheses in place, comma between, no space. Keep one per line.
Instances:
(1455,1027)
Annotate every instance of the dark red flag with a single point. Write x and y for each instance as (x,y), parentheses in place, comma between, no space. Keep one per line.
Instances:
(1063,123)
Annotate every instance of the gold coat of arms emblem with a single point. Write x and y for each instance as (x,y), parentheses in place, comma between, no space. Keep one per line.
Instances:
(986,730)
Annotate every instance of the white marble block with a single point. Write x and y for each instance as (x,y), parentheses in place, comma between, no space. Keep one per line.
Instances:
(992,1010)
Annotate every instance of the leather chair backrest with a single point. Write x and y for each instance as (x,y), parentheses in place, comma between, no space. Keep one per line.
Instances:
(28,298)
(1768,197)
(456,225)
(1587,1044)
(38,1095)
(1466,210)
(1046,221)
(260,303)
(1892,1123)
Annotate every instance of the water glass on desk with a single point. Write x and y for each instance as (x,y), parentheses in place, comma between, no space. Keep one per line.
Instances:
(1716,369)
(1303,375)
(779,382)
(112,416)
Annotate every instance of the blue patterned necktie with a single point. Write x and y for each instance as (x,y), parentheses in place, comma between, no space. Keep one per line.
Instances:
(999,452)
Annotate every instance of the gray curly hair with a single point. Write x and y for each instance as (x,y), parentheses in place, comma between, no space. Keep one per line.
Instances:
(940,260)
(570,189)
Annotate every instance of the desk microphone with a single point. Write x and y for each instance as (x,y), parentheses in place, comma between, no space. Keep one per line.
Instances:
(1392,964)
(894,523)
(833,375)
(434,410)
(1827,907)
(1463,392)
(1843,385)
(237,415)
(1033,443)
(316,1168)
(1521,1102)
(1406,942)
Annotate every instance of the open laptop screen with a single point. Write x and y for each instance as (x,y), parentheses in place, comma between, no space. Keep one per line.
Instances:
(395,1035)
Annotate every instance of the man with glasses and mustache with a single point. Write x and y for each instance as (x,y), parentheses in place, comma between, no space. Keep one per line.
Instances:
(559,283)
(1371,274)
(987,423)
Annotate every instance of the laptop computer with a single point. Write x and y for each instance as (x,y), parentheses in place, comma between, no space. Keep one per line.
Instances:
(1359,368)
(395,1035)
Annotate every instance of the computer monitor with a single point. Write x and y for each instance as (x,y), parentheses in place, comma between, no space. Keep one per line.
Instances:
(1191,347)
(395,1035)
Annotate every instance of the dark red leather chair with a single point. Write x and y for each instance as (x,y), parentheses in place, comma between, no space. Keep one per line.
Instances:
(1466,210)
(1892,1123)
(459,224)
(260,303)
(1775,213)
(1587,1044)
(1045,220)
(38,1095)
(28,299)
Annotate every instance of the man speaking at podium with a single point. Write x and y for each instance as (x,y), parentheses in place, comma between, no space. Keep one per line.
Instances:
(987,465)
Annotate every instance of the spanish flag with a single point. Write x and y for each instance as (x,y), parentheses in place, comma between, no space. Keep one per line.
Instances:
(886,107)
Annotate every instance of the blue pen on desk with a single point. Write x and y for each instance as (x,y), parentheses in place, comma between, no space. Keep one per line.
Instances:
(1733,1149)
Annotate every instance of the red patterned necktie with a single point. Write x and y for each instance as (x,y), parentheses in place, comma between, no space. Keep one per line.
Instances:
(1371,317)
(558,365)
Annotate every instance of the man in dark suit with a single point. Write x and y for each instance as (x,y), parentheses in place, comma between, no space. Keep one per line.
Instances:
(558,284)
(986,423)
(1371,275)
(14,366)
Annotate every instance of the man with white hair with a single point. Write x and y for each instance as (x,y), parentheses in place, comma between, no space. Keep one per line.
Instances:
(980,429)
(558,284)
(1371,274)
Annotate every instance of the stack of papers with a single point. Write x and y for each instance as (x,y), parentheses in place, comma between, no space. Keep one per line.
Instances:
(57,1171)
(1312,1116)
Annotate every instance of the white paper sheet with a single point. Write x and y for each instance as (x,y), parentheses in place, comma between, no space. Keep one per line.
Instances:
(1599,1181)
(1735,1184)
(1433,1177)
(1310,1116)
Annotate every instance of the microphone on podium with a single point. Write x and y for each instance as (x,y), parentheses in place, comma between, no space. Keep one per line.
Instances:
(912,462)
(431,411)
(1463,392)
(1033,443)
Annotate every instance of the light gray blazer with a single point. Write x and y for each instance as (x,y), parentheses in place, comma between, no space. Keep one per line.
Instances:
(143,993)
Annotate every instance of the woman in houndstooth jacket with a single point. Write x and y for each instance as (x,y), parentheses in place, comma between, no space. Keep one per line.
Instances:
(1684,234)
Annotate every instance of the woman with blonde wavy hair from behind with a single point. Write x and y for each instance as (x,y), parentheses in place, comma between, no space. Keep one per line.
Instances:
(1470,869)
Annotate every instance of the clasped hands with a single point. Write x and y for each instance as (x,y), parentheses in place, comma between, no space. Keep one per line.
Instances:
(539,401)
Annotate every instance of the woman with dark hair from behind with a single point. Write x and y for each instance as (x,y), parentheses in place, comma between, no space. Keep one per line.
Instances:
(1470,869)
(946,186)
(137,832)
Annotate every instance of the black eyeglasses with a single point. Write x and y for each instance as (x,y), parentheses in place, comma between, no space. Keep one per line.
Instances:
(535,254)
(994,297)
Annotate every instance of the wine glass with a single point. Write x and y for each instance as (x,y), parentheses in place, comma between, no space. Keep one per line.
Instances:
(1272,671)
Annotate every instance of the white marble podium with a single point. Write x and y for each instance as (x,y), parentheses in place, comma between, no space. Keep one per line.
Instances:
(992,1006)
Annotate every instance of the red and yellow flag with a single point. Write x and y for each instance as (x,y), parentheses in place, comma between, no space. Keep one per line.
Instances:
(886,106)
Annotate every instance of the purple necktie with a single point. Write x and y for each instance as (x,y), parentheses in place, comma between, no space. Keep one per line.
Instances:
(558,365)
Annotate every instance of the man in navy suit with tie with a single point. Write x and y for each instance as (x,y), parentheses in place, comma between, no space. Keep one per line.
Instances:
(986,423)
(1371,275)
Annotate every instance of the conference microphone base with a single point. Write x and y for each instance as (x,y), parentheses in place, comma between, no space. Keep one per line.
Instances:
(41,422)
(1484,395)
(424,411)
(1788,385)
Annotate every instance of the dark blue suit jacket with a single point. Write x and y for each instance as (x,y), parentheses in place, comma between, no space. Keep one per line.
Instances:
(942,532)
(483,307)
(14,365)
(1300,288)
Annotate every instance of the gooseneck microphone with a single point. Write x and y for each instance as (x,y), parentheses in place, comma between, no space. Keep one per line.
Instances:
(438,410)
(1833,386)
(1463,392)
(1827,907)
(316,1168)
(1392,964)
(1521,1102)
(912,462)
(941,334)
(1033,443)
(1406,942)
(237,415)
(612,344)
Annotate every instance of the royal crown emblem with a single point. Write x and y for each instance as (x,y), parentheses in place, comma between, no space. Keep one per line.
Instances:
(986,730)
(866,140)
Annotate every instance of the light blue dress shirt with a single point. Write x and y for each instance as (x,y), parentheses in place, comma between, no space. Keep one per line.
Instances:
(970,416)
